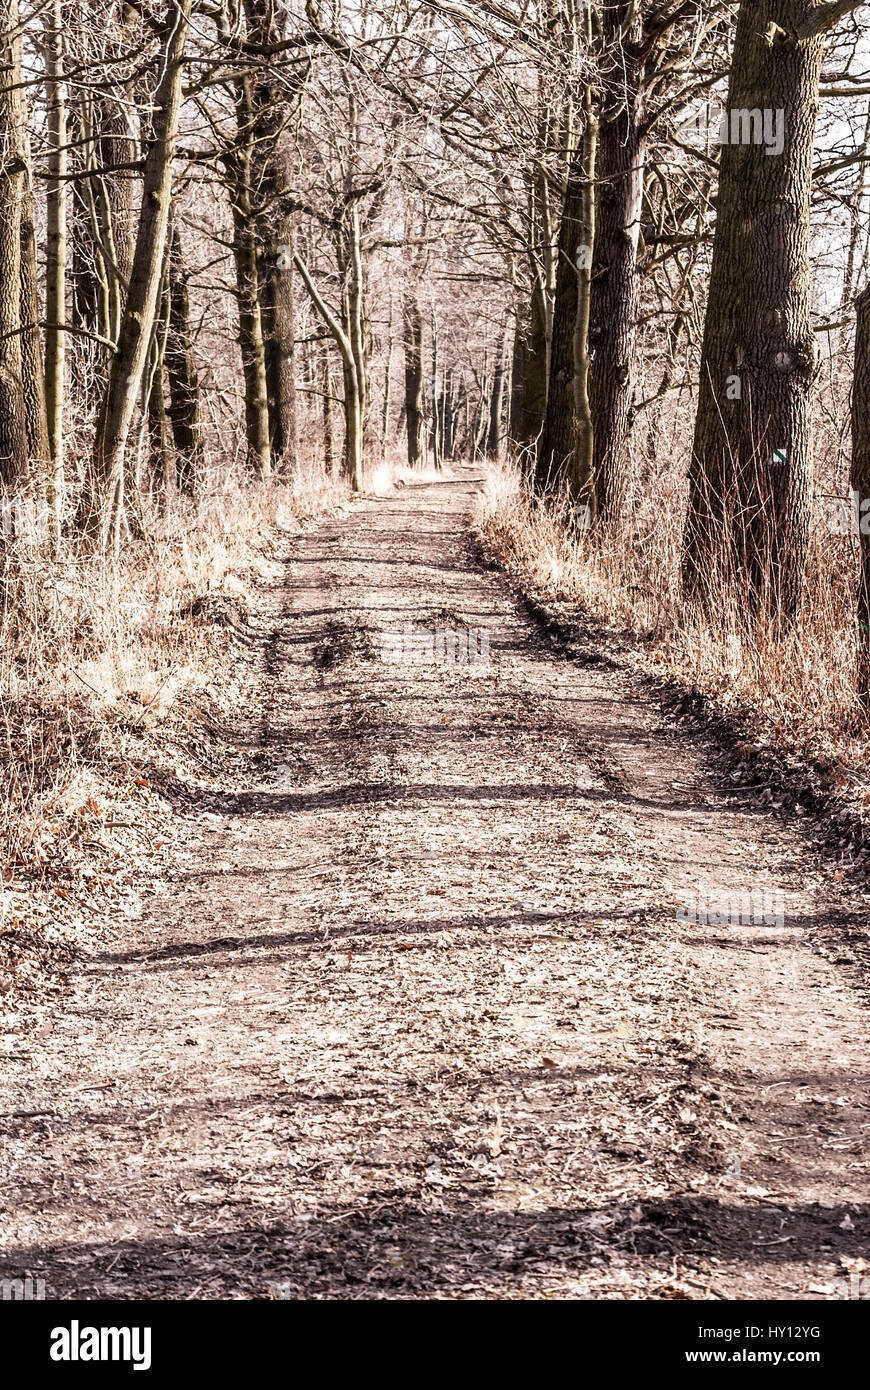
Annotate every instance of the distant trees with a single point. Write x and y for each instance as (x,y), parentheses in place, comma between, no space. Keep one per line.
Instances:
(166,184)
(257,232)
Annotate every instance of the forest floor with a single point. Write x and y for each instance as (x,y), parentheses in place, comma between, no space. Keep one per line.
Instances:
(414,1009)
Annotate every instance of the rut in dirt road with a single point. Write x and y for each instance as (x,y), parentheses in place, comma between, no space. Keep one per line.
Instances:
(417,1016)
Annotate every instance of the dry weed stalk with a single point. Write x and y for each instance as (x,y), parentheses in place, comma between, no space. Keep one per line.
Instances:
(88,646)
(800,681)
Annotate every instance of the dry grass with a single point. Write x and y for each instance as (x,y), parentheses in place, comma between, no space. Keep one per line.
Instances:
(99,668)
(799,686)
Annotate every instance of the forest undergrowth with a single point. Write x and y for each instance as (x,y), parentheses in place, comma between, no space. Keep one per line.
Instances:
(111,676)
(785,700)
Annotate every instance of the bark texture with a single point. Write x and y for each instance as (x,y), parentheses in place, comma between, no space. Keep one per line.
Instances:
(240,164)
(614,289)
(557,446)
(104,507)
(751,469)
(273,103)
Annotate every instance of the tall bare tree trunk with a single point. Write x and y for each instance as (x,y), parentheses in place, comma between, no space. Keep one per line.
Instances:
(614,287)
(13,173)
(251,345)
(273,102)
(413,343)
(582,475)
(328,435)
(341,330)
(104,508)
(102,210)
(496,406)
(55,254)
(388,383)
(532,345)
(350,263)
(750,477)
(112,189)
(436,435)
(183,377)
(247,254)
(857,227)
(531,353)
(278,308)
(557,456)
(33,379)
(161,461)
(353,424)
(448,416)
(88,284)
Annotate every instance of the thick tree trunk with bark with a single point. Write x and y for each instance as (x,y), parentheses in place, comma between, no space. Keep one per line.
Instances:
(353,424)
(614,288)
(104,507)
(557,459)
(274,101)
(278,310)
(247,255)
(251,345)
(751,471)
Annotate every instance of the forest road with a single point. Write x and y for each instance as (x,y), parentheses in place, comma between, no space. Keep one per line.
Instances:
(425,1008)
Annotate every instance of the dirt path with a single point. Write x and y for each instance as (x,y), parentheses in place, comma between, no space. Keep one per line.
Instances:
(417,1016)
